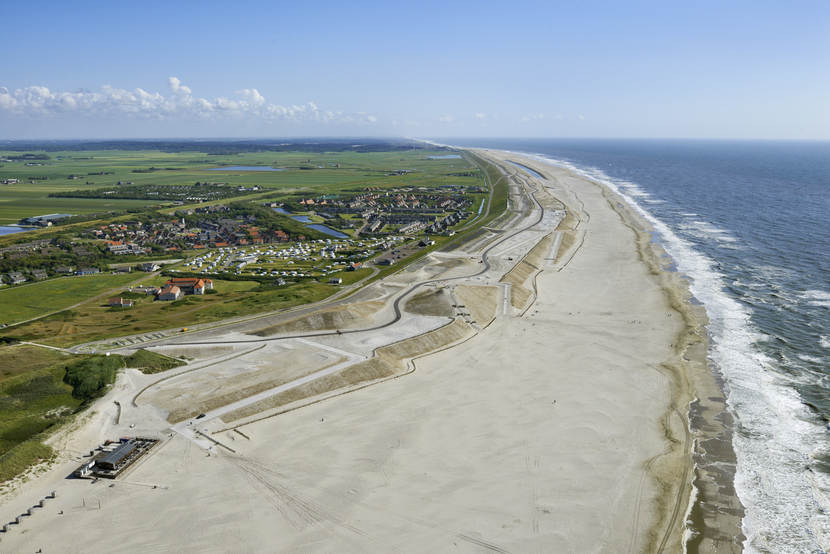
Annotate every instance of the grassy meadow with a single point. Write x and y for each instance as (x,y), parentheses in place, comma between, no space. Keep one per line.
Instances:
(95,320)
(33,399)
(30,300)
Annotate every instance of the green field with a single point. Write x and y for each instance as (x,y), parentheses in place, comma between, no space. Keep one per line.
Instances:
(30,300)
(95,320)
(357,170)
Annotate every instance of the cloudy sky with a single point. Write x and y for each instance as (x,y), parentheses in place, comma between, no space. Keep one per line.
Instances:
(738,69)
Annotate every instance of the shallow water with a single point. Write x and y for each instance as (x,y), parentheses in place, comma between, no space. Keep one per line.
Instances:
(8,230)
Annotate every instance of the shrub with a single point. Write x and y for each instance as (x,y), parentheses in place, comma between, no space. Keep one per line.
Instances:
(90,377)
(152,362)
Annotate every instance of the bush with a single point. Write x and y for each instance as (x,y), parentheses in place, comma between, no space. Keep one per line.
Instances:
(90,377)
(152,362)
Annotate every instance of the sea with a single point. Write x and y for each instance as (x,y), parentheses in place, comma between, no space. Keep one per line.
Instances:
(748,224)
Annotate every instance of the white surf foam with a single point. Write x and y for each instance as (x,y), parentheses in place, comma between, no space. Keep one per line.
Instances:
(824,341)
(786,508)
(817,298)
(705,230)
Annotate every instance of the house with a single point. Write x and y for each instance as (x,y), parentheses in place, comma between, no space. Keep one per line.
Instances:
(336,281)
(88,271)
(386,261)
(191,285)
(15,278)
(65,269)
(125,269)
(39,274)
(353,266)
(170,292)
(119,302)
(149,267)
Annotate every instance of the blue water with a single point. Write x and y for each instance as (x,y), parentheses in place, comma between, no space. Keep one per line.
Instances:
(446,157)
(328,231)
(316,226)
(246,168)
(6,230)
(749,224)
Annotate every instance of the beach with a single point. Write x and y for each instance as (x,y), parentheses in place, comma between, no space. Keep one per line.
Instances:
(559,425)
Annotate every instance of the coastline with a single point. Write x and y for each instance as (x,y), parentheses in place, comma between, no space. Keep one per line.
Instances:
(561,426)
(714,512)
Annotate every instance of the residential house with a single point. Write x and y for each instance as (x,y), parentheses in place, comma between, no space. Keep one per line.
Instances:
(191,285)
(170,292)
(119,302)
(15,278)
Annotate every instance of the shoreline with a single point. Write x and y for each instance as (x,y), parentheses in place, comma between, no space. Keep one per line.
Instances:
(559,425)
(714,513)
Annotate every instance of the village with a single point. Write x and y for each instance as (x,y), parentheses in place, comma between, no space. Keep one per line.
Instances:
(306,259)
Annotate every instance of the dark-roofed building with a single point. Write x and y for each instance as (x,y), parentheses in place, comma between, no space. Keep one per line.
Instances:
(117,456)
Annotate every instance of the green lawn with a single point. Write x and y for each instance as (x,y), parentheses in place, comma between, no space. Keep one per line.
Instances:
(33,299)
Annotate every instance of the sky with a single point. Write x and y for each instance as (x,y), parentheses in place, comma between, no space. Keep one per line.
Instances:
(742,69)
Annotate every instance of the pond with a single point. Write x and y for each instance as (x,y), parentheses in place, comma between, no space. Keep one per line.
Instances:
(328,230)
(317,226)
(446,157)
(9,229)
(246,168)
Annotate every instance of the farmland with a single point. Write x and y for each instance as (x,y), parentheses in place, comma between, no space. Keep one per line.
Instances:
(303,172)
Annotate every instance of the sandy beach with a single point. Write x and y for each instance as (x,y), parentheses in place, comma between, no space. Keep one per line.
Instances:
(550,416)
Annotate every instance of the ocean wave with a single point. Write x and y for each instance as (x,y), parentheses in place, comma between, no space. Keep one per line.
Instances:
(776,436)
(707,230)
(824,341)
(817,298)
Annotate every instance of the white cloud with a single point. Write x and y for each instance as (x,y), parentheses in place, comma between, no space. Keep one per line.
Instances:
(446,119)
(480,115)
(177,86)
(39,101)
